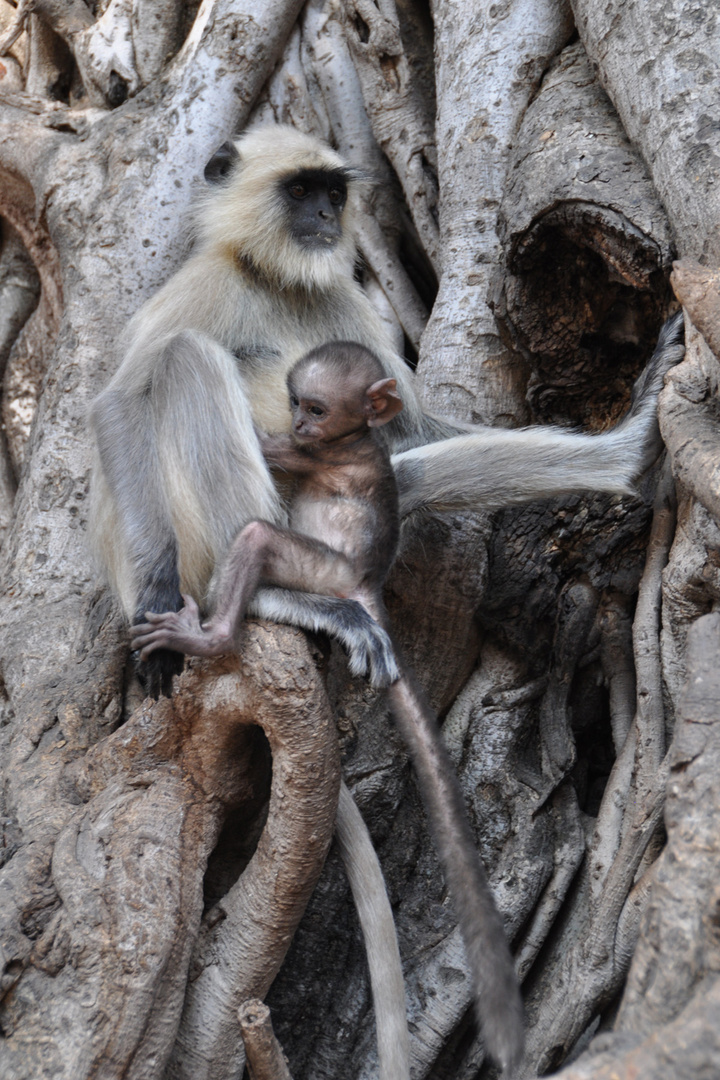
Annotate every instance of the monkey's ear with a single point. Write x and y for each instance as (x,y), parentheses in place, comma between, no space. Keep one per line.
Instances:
(220,164)
(382,402)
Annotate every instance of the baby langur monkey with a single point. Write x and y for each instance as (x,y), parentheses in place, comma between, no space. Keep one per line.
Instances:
(344,520)
(342,541)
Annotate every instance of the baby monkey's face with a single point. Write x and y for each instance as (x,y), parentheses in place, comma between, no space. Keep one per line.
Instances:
(324,410)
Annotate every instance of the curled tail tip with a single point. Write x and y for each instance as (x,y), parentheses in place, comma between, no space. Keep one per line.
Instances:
(669,351)
(670,347)
(672,330)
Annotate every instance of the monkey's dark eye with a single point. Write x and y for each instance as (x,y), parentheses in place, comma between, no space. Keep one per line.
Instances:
(336,196)
(315,410)
(298,191)
(293,402)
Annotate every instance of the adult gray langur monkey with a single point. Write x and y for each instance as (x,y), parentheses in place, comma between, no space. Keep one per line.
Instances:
(179,468)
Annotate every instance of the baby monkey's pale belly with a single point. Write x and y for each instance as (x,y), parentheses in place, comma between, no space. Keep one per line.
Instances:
(345,524)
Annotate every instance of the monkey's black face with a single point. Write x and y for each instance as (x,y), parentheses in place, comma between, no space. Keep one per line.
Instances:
(315,200)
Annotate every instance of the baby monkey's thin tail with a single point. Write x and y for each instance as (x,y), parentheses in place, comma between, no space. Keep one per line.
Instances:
(497,997)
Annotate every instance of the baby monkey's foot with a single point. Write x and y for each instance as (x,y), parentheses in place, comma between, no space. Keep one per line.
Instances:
(181,631)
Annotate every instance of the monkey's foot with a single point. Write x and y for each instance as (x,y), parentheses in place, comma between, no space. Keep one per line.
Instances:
(182,632)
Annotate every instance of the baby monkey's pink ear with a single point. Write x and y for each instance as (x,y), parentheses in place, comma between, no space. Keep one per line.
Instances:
(382,402)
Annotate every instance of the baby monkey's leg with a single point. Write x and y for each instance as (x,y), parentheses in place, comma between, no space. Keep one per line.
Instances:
(260,553)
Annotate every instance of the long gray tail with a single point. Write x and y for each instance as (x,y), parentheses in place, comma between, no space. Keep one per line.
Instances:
(381,945)
(492,467)
(497,996)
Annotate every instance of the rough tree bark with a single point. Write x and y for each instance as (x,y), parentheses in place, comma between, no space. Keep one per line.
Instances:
(539,165)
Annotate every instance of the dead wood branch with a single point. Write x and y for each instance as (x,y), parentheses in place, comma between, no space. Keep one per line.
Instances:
(265,1059)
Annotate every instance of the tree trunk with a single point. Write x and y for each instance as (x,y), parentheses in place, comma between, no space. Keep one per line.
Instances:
(164,863)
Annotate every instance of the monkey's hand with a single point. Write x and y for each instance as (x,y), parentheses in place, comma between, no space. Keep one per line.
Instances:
(182,632)
(281,452)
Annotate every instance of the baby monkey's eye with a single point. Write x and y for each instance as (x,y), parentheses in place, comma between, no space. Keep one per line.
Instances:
(293,402)
(315,410)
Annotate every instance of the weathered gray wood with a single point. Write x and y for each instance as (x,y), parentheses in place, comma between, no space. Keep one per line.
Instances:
(688,420)
(489,61)
(659,62)
(126,890)
(401,120)
(668,1023)
(245,936)
(587,249)
(585,969)
(19,291)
